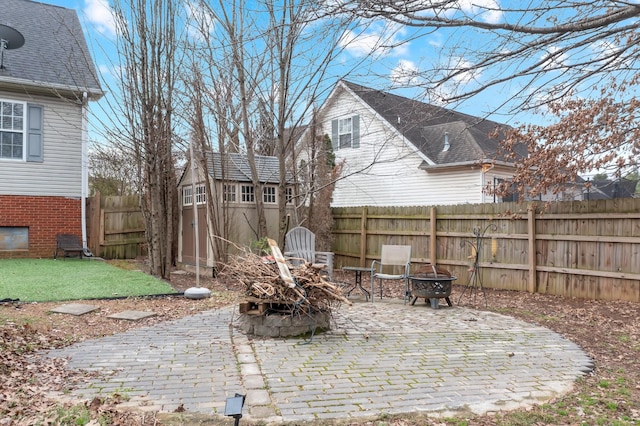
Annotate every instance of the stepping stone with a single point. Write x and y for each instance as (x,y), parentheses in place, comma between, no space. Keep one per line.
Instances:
(132,315)
(74,309)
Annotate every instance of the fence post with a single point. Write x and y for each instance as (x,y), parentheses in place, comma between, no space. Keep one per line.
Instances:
(363,237)
(531,228)
(433,242)
(94,223)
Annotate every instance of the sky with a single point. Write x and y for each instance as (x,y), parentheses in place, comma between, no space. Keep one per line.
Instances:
(400,52)
(395,64)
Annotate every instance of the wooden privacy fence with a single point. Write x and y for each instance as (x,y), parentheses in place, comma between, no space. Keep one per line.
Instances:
(587,249)
(115,227)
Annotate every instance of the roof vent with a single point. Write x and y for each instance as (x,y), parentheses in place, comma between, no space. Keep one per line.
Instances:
(9,39)
(446,142)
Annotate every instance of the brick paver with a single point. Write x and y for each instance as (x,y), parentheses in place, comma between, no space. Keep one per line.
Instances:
(378,358)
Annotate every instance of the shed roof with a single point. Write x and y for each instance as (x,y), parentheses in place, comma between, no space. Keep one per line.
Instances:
(55,53)
(235,167)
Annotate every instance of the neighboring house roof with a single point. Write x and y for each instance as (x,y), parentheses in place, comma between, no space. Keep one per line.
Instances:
(425,126)
(605,189)
(235,167)
(55,53)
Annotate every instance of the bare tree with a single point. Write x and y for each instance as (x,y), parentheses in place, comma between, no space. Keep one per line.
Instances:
(148,50)
(238,72)
(572,60)
(219,222)
(111,171)
(580,41)
(272,60)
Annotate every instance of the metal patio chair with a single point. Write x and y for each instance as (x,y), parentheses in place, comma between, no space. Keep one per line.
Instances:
(394,264)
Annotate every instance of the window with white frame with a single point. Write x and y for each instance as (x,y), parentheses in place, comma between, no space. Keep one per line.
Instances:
(269,194)
(229,193)
(187,195)
(21,131)
(201,194)
(289,194)
(246,194)
(345,132)
(12,129)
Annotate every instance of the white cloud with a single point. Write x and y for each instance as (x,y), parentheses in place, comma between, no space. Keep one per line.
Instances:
(456,75)
(604,48)
(201,22)
(553,59)
(405,74)
(438,95)
(461,70)
(100,15)
(379,39)
(486,10)
(104,70)
(436,41)
(359,44)
(611,54)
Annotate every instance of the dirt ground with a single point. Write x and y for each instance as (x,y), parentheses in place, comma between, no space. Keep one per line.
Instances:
(608,331)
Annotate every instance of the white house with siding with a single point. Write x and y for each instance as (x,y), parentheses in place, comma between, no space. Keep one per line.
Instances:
(47,79)
(401,152)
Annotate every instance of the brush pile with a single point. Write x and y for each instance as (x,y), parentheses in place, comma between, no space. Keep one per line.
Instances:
(262,280)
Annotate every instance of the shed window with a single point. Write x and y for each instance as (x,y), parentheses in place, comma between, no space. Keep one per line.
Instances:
(269,194)
(201,194)
(247,194)
(187,195)
(229,193)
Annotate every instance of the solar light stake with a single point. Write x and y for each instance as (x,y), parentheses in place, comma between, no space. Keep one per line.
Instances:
(233,407)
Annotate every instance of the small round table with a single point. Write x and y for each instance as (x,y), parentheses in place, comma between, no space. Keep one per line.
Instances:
(358,284)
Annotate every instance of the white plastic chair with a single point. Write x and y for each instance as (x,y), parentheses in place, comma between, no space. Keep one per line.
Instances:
(393,259)
(300,243)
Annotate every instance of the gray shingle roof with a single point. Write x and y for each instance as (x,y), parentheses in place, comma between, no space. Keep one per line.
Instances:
(425,125)
(235,167)
(609,189)
(55,52)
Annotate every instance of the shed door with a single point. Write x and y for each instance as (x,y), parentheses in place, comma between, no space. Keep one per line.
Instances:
(188,235)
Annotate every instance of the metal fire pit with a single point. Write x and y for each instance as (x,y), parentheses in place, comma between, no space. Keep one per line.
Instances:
(431,286)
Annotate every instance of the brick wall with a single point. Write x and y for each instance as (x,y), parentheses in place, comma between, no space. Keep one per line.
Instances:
(45,217)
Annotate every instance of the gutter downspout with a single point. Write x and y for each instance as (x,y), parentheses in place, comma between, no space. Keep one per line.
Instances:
(85,172)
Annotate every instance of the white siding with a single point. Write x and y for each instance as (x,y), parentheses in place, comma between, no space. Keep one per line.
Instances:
(384,171)
(61,172)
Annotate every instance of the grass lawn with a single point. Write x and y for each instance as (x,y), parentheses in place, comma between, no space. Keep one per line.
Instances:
(48,280)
